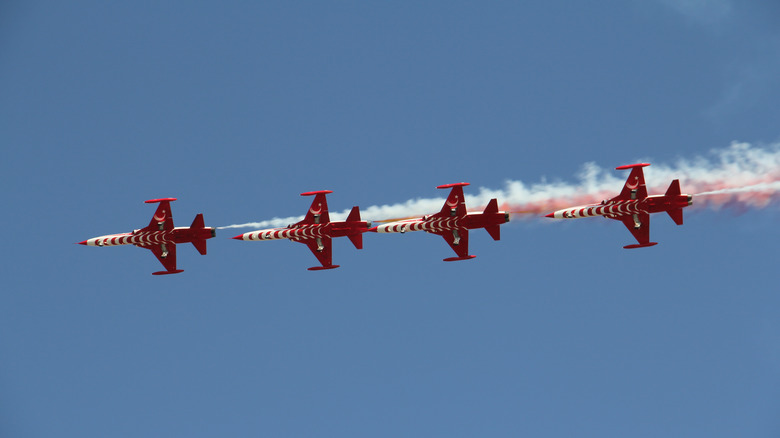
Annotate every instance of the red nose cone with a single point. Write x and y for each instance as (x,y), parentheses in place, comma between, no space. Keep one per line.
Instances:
(82,243)
(239,237)
(373,230)
(550,215)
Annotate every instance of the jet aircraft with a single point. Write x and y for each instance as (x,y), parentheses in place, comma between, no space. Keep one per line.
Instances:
(317,231)
(453,222)
(633,206)
(160,236)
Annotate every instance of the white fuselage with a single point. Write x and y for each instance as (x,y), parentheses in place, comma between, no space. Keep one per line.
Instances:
(431,225)
(301,232)
(134,238)
(612,209)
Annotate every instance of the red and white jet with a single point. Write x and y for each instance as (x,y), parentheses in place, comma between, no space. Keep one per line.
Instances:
(453,222)
(317,231)
(633,207)
(160,236)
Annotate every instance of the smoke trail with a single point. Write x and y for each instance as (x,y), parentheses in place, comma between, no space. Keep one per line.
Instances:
(741,177)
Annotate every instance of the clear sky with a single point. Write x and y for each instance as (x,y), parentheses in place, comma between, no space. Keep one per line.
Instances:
(235,108)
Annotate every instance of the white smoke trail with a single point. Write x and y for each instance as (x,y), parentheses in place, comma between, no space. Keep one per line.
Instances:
(740,176)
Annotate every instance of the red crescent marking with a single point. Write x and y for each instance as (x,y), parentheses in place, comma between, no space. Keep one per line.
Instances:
(633,186)
(316,211)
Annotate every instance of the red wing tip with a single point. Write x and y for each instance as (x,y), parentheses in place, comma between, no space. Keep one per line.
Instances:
(447,186)
(640,245)
(552,215)
(152,201)
(175,271)
(631,166)
(324,192)
(322,268)
(455,259)
(81,243)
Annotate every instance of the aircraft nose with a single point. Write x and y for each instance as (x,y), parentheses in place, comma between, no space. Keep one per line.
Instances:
(81,243)
(552,215)
(239,237)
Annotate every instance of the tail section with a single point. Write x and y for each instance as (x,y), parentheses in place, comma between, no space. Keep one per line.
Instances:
(356,239)
(673,191)
(676,215)
(200,245)
(198,222)
(354,215)
(492,207)
(674,188)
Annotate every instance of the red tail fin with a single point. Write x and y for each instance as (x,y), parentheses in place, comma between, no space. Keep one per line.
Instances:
(198,222)
(676,215)
(674,188)
(494,231)
(356,239)
(492,206)
(354,215)
(200,245)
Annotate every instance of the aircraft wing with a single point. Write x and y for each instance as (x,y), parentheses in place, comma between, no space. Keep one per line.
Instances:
(166,254)
(458,240)
(455,205)
(641,234)
(634,188)
(162,219)
(318,212)
(322,248)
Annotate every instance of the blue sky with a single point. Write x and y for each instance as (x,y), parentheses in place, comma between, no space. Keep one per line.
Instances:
(236,109)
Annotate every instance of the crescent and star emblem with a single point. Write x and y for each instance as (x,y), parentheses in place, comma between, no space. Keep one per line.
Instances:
(633,186)
(318,211)
(160,219)
(453,203)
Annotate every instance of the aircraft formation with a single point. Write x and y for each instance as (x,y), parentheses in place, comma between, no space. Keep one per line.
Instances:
(632,206)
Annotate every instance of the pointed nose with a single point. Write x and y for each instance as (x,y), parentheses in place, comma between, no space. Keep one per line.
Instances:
(81,243)
(239,237)
(373,230)
(552,215)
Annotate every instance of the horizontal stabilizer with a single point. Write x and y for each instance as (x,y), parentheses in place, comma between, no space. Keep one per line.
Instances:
(356,239)
(492,207)
(674,188)
(198,222)
(200,245)
(354,215)
(494,231)
(676,215)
